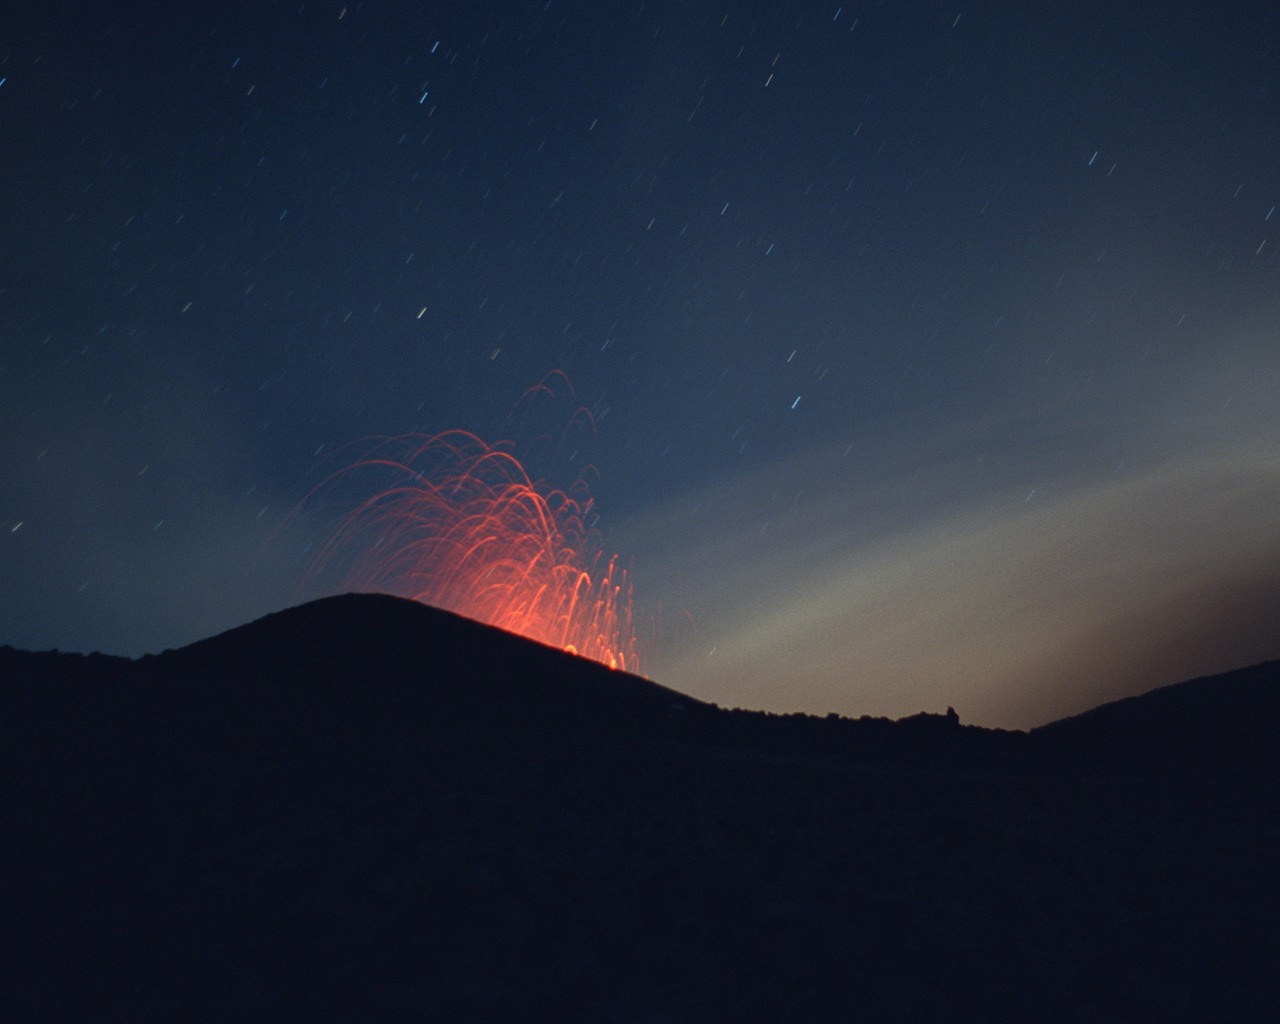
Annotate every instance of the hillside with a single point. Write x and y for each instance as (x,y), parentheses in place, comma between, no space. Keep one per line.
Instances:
(1225,722)
(367,809)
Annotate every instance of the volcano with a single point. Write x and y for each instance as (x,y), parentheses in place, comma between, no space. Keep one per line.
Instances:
(366,808)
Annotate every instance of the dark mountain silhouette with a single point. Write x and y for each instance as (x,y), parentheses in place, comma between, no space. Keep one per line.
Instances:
(365,809)
(1217,723)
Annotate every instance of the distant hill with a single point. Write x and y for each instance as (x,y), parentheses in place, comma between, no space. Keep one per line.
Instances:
(366,809)
(1225,721)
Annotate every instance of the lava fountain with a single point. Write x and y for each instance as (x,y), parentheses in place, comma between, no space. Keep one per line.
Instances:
(459,524)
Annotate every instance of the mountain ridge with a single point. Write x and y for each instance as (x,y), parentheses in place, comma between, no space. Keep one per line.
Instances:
(365,809)
(376,617)
(1232,716)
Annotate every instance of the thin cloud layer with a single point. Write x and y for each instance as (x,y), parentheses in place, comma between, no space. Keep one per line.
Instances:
(1018,588)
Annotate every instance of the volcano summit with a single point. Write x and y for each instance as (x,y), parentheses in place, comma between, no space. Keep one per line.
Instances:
(364,808)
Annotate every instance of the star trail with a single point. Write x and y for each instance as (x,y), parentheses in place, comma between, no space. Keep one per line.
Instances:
(931,351)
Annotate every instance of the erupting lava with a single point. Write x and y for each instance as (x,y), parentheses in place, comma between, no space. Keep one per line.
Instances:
(462,526)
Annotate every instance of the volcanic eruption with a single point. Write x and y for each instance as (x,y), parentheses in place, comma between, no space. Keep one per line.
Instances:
(458,523)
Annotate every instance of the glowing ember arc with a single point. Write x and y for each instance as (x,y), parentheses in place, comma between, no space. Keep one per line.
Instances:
(463,527)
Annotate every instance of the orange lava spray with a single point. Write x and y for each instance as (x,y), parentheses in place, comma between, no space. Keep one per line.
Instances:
(459,524)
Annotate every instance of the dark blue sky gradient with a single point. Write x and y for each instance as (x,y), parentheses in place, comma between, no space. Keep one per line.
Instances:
(928,307)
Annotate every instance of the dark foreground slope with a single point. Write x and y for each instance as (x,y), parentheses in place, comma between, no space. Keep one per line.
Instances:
(364,809)
(1226,723)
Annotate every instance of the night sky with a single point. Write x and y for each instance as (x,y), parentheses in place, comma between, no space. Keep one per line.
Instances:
(933,349)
